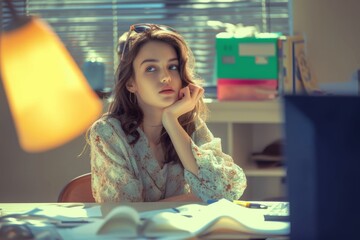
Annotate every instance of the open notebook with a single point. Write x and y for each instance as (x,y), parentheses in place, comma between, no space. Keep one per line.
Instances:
(183,222)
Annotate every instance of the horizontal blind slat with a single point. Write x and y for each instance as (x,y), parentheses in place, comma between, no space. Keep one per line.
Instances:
(91,27)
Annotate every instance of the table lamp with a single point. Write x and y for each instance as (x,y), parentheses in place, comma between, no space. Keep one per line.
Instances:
(49,98)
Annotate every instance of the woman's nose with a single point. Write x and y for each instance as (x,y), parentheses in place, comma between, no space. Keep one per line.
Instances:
(166,77)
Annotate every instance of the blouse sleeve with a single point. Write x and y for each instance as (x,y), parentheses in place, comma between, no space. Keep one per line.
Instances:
(218,177)
(113,177)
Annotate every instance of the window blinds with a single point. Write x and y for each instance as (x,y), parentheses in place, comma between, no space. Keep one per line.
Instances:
(90,28)
(5,14)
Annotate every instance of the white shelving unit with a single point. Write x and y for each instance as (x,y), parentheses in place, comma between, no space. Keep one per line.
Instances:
(246,127)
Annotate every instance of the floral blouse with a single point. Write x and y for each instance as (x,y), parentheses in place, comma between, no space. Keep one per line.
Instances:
(124,172)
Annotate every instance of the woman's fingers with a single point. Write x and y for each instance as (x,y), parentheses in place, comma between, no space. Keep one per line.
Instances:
(195,91)
(185,91)
(188,97)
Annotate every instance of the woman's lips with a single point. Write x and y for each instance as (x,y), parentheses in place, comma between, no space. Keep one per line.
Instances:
(167,91)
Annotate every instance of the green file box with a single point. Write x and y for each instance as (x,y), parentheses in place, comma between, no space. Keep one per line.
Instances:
(247,57)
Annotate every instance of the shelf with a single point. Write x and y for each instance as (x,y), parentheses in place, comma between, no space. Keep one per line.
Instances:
(254,171)
(245,127)
(244,111)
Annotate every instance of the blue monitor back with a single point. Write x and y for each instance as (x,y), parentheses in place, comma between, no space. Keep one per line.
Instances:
(322,152)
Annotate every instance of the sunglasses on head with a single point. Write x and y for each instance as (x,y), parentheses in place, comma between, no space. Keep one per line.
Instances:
(143,27)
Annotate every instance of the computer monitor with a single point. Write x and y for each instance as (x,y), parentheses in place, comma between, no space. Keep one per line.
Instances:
(322,155)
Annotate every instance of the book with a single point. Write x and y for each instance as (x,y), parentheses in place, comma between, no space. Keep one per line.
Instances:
(296,76)
(288,49)
(189,220)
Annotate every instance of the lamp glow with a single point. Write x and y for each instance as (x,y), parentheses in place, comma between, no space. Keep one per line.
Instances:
(50,99)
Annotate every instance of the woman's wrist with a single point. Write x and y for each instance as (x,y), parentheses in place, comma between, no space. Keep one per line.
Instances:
(169,119)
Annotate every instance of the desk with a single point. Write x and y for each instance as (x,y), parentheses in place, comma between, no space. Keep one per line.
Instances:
(10,208)
(13,208)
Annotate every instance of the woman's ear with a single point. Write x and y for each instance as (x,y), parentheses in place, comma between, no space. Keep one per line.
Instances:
(131,86)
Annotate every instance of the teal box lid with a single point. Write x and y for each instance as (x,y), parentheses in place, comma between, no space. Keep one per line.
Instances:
(247,57)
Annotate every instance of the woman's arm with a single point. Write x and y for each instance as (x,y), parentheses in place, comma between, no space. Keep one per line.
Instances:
(210,172)
(219,177)
(113,177)
(179,137)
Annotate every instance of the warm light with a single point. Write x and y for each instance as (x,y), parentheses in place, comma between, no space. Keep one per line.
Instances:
(49,97)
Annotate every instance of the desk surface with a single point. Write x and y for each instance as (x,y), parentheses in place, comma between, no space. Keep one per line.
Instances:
(11,208)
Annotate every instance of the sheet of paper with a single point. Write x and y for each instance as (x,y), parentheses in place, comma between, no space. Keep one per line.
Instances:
(58,211)
(194,220)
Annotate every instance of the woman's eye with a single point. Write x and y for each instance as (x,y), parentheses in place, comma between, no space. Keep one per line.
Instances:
(150,69)
(174,67)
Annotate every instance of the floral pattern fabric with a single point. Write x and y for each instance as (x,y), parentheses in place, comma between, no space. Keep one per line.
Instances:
(131,173)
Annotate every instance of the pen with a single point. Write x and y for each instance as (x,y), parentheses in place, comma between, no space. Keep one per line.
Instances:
(175,210)
(178,211)
(243,203)
(250,205)
(70,223)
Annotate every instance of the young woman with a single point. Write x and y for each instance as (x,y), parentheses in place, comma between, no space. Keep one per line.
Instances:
(153,144)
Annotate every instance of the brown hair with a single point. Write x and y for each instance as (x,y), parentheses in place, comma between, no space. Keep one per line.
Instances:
(126,110)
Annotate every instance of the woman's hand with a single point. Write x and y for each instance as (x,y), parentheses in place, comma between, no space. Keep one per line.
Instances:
(188,97)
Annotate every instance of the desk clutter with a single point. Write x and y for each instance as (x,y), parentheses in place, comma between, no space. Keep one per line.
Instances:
(43,221)
(181,222)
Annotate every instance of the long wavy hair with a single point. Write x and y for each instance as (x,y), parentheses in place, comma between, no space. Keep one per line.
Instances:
(124,106)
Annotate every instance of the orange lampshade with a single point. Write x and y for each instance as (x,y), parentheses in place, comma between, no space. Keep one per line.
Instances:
(49,97)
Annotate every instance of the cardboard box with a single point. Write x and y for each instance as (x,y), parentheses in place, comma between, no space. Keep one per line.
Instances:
(247,57)
(252,89)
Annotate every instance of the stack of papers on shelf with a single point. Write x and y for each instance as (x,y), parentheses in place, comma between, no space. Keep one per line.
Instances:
(183,222)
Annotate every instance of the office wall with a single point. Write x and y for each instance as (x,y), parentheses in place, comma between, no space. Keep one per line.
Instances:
(332,34)
(35,177)
(333,50)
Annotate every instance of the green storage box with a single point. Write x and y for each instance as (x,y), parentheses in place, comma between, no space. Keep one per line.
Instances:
(247,57)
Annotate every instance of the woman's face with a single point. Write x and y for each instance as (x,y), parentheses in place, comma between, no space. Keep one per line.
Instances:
(156,81)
